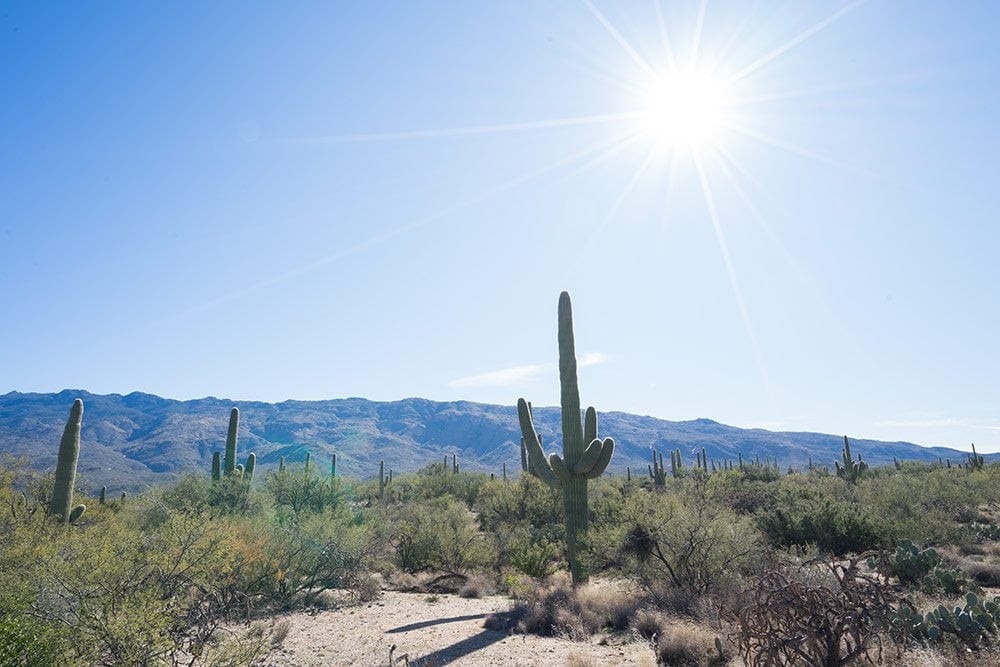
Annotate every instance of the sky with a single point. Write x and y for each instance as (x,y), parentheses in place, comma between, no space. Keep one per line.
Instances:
(771,214)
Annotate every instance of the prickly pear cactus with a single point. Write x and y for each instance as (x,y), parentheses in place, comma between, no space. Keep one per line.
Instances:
(69,452)
(585,456)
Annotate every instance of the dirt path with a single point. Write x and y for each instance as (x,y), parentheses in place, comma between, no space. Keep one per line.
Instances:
(448,631)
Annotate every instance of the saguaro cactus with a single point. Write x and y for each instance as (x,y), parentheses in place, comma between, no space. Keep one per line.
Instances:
(216,466)
(851,470)
(383,480)
(975,461)
(656,470)
(234,427)
(584,457)
(69,452)
(333,466)
(104,495)
(251,465)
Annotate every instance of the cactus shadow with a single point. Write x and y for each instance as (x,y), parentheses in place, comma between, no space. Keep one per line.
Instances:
(459,649)
(436,621)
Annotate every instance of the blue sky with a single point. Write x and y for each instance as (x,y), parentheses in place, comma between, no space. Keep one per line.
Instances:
(385,201)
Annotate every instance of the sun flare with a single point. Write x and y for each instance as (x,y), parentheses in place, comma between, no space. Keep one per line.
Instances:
(683,109)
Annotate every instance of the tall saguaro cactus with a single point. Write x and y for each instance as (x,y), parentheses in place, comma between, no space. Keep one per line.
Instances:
(69,452)
(234,426)
(585,456)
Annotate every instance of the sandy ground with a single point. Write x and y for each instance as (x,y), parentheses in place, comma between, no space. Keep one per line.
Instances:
(448,631)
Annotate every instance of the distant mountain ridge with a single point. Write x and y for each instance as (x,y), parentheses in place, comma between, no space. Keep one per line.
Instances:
(139,439)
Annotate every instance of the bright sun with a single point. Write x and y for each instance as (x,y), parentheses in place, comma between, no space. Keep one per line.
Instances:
(683,109)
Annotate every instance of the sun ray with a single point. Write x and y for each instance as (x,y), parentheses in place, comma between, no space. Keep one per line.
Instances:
(665,37)
(720,238)
(772,236)
(384,236)
(812,155)
(617,36)
(498,128)
(623,142)
(613,210)
(698,27)
(792,43)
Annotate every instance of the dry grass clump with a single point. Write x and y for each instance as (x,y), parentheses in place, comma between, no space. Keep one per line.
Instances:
(677,641)
(477,586)
(555,608)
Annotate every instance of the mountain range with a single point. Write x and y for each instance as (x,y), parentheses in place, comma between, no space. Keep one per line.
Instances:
(130,442)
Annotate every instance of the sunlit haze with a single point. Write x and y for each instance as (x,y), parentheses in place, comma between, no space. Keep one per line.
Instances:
(774,214)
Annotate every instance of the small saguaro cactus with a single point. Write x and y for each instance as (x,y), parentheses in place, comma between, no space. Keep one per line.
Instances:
(308,457)
(216,466)
(383,480)
(851,470)
(503,471)
(104,495)
(61,505)
(333,466)
(281,464)
(454,463)
(656,470)
(975,462)
(250,467)
(585,456)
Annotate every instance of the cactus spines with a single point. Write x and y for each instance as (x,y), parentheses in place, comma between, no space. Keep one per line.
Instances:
(104,495)
(69,452)
(234,427)
(250,467)
(216,466)
(585,456)
(851,470)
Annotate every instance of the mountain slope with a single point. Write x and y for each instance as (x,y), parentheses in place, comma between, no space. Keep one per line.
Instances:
(139,439)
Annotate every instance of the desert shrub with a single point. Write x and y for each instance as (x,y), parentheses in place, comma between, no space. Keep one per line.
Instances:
(26,641)
(294,492)
(686,541)
(835,527)
(437,481)
(924,507)
(527,500)
(438,534)
(477,586)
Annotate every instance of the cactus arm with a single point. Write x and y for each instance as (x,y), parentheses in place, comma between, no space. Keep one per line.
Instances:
(69,453)
(77,512)
(590,426)
(607,450)
(537,463)
(559,469)
(216,466)
(589,458)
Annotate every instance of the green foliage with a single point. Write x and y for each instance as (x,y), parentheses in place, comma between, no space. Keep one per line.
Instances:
(684,541)
(439,535)
(835,527)
(585,456)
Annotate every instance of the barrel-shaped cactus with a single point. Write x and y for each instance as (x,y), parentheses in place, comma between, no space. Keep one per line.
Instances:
(61,505)
(585,455)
